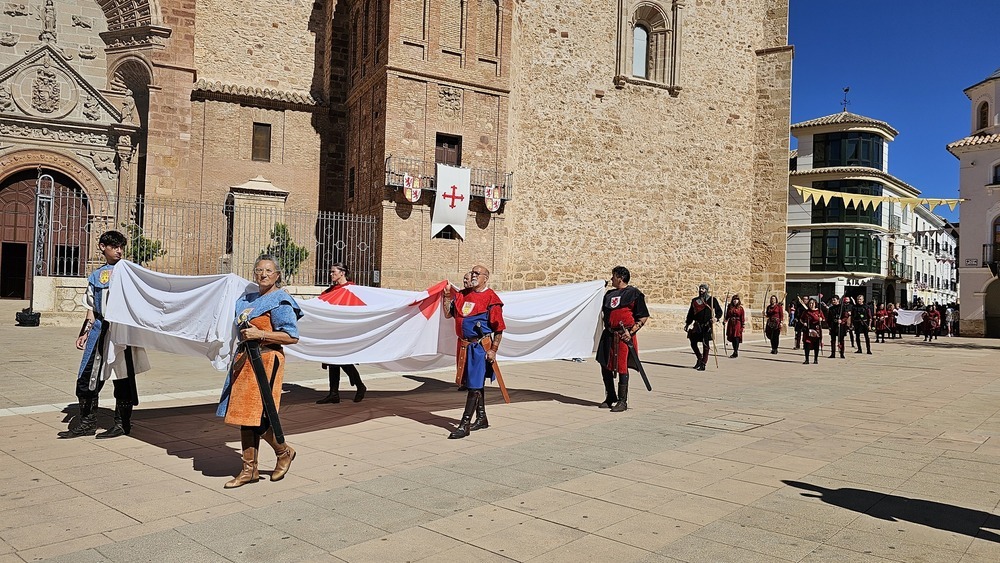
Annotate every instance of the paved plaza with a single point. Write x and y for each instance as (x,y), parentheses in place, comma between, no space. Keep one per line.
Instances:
(890,457)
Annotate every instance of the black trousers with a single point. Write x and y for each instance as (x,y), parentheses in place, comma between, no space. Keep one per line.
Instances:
(862,330)
(125,389)
(837,338)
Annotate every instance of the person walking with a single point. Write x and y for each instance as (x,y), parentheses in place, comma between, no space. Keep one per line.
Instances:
(623,313)
(698,324)
(774,316)
(735,319)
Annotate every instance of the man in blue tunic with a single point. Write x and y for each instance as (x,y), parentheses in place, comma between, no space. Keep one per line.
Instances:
(93,340)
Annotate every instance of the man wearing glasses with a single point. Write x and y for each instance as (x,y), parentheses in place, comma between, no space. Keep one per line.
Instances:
(478,314)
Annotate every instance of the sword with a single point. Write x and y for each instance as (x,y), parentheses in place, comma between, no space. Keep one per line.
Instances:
(496,367)
(252,348)
(634,356)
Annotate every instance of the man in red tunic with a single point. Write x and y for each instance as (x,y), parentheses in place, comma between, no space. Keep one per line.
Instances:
(624,312)
(478,314)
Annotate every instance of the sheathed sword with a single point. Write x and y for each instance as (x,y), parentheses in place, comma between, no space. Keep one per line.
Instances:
(634,356)
(252,348)
(496,366)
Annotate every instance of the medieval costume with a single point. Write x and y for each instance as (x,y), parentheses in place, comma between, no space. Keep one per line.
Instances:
(890,320)
(241,403)
(478,323)
(735,319)
(861,318)
(835,313)
(881,324)
(774,315)
(353,376)
(699,324)
(94,370)
(931,323)
(624,312)
(811,321)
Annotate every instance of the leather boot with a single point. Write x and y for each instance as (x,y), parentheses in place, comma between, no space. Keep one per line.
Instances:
(355,377)
(334,395)
(283,452)
(481,421)
(119,429)
(249,440)
(610,397)
(87,424)
(470,406)
(622,404)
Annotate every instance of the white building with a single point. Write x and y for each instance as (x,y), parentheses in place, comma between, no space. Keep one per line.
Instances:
(979,184)
(839,249)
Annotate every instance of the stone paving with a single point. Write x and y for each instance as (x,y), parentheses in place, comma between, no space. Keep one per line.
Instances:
(890,457)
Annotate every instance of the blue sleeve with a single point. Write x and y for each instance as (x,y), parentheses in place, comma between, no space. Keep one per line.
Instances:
(283,319)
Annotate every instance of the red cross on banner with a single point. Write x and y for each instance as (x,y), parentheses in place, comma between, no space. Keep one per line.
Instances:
(451,202)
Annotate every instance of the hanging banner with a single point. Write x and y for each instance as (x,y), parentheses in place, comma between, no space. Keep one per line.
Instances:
(451,202)
(493,199)
(411,188)
(872,201)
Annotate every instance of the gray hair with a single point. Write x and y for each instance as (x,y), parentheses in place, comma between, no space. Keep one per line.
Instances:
(277,267)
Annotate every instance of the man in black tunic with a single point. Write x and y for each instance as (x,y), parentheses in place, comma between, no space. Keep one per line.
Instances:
(699,324)
(834,313)
(861,316)
(624,313)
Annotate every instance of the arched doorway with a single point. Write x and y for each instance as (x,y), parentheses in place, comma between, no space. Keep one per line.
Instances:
(991,309)
(68,237)
(890,293)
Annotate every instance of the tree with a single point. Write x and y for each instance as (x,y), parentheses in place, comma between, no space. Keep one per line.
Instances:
(140,249)
(288,254)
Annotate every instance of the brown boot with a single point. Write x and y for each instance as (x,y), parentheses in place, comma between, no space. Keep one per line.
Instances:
(249,441)
(284,453)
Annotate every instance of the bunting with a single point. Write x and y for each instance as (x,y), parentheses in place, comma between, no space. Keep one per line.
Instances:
(869,202)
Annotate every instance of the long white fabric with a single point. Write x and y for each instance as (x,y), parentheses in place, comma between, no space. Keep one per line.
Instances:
(907,318)
(397,330)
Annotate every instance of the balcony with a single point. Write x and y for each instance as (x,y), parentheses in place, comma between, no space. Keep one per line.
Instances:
(426,174)
(894,224)
(900,271)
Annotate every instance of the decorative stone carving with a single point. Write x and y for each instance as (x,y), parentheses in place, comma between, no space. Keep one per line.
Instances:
(124,141)
(91,108)
(48,15)
(85,23)
(87,52)
(136,37)
(450,100)
(128,108)
(6,99)
(102,162)
(45,90)
(9,39)
(15,10)
(48,133)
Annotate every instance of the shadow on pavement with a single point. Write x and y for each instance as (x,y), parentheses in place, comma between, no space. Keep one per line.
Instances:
(893,508)
(194,432)
(954,345)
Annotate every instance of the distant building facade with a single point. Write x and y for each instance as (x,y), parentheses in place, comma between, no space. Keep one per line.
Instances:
(979,184)
(887,252)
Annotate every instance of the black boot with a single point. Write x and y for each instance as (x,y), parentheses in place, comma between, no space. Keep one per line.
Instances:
(470,406)
(610,398)
(481,421)
(87,425)
(622,404)
(334,395)
(123,422)
(355,377)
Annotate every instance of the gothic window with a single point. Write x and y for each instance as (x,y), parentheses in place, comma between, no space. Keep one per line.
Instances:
(983,117)
(649,43)
(640,51)
(488,24)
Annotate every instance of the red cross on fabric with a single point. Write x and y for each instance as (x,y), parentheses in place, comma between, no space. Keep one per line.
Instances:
(453,195)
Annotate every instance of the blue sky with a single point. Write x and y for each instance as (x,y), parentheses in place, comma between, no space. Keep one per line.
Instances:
(906,62)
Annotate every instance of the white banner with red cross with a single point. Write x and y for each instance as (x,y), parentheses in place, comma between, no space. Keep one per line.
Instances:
(451,201)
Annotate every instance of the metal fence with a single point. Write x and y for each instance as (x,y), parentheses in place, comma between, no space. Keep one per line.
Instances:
(197,238)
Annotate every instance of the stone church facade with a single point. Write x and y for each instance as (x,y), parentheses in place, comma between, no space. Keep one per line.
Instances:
(649,133)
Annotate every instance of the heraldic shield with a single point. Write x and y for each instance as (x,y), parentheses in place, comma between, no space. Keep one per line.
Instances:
(411,188)
(493,198)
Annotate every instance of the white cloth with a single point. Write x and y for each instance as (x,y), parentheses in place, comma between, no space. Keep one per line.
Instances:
(908,318)
(451,200)
(397,330)
(189,315)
